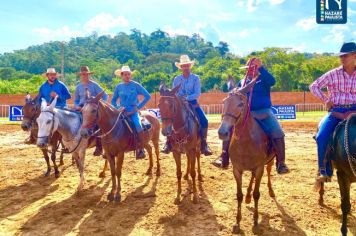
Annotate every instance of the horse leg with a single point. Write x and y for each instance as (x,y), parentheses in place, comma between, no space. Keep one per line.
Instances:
(79,157)
(200,176)
(192,157)
(102,173)
(186,176)
(269,183)
(344,185)
(46,157)
(177,158)
(119,162)
(149,151)
(249,190)
(256,196)
(156,146)
(321,194)
(61,162)
(53,158)
(238,178)
(111,160)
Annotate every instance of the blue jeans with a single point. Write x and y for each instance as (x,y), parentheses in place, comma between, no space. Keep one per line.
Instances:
(136,120)
(269,122)
(326,129)
(201,115)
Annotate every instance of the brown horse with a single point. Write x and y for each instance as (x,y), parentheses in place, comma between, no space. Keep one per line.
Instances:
(341,150)
(249,149)
(31,110)
(117,138)
(182,129)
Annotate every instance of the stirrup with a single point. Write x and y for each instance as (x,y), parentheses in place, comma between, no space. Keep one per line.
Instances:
(218,162)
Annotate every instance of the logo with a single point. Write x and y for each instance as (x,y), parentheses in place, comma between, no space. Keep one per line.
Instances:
(15,113)
(331,11)
(284,112)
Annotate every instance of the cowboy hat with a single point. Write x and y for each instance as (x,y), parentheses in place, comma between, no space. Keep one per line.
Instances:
(347,48)
(51,71)
(184,60)
(118,72)
(85,70)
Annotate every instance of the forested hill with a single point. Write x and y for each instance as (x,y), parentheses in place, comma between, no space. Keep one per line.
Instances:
(152,57)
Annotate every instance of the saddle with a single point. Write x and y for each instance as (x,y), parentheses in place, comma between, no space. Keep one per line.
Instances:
(266,131)
(146,125)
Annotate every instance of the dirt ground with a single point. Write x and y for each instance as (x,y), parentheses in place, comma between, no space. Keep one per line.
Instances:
(31,204)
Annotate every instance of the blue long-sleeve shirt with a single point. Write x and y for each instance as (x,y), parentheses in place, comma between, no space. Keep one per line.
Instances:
(128,95)
(190,87)
(261,97)
(59,88)
(80,92)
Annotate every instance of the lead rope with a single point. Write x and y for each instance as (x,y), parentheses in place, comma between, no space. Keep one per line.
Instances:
(350,158)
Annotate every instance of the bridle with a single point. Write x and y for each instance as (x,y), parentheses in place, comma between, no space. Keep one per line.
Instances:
(174,111)
(52,127)
(31,119)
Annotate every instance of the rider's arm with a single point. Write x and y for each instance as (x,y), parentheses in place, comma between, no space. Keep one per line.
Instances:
(197,90)
(115,97)
(320,83)
(146,95)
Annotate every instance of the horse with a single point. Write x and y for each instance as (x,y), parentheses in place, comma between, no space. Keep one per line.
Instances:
(118,138)
(31,110)
(249,149)
(67,124)
(341,153)
(182,129)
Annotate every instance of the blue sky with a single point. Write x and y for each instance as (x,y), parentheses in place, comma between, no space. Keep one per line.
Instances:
(245,25)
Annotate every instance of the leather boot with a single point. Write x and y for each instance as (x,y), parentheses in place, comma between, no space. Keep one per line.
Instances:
(223,160)
(279,148)
(140,152)
(167,147)
(204,145)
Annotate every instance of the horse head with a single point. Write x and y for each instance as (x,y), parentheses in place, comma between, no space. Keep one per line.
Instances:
(47,123)
(90,115)
(168,105)
(31,110)
(234,110)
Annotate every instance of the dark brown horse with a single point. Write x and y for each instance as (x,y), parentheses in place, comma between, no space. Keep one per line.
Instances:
(180,126)
(31,110)
(117,138)
(249,149)
(342,151)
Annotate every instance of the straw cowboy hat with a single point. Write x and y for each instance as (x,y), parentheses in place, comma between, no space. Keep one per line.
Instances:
(85,70)
(118,72)
(184,60)
(51,71)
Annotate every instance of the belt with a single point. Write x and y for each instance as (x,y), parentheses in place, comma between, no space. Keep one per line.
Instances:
(345,106)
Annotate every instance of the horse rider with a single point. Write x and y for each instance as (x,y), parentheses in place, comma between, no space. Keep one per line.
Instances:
(128,92)
(190,90)
(260,110)
(85,85)
(341,86)
(49,90)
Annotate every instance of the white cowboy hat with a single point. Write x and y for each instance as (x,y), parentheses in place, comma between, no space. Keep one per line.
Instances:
(118,72)
(51,71)
(184,60)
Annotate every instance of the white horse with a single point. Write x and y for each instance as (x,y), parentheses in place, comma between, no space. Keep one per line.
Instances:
(68,124)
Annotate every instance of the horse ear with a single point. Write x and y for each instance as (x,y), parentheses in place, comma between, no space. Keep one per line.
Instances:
(53,104)
(230,83)
(43,104)
(28,98)
(87,93)
(35,100)
(175,89)
(162,88)
(99,96)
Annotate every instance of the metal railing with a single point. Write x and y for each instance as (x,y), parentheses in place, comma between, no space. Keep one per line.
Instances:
(310,107)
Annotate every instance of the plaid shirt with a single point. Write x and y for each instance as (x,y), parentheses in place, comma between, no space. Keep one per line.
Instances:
(340,85)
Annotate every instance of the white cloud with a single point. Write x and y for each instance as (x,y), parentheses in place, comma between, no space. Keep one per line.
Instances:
(355,33)
(240,3)
(63,33)
(104,22)
(350,12)
(276,2)
(222,16)
(336,34)
(307,23)
(252,5)
(172,31)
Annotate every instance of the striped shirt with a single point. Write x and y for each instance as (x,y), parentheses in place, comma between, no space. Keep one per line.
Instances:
(340,85)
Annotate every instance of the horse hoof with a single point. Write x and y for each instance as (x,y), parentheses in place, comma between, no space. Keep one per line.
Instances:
(110,197)
(56,175)
(47,173)
(177,201)
(195,199)
(344,230)
(117,198)
(102,174)
(256,229)
(186,177)
(321,202)
(61,163)
(149,172)
(200,178)
(271,194)
(236,229)
(158,173)
(248,199)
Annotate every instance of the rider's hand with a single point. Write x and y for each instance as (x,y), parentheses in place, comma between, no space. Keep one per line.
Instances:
(122,109)
(258,63)
(53,94)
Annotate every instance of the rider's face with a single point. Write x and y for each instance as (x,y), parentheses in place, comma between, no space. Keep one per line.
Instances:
(126,76)
(348,59)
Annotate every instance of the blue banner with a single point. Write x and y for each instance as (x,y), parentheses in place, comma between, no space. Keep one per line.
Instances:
(284,112)
(15,113)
